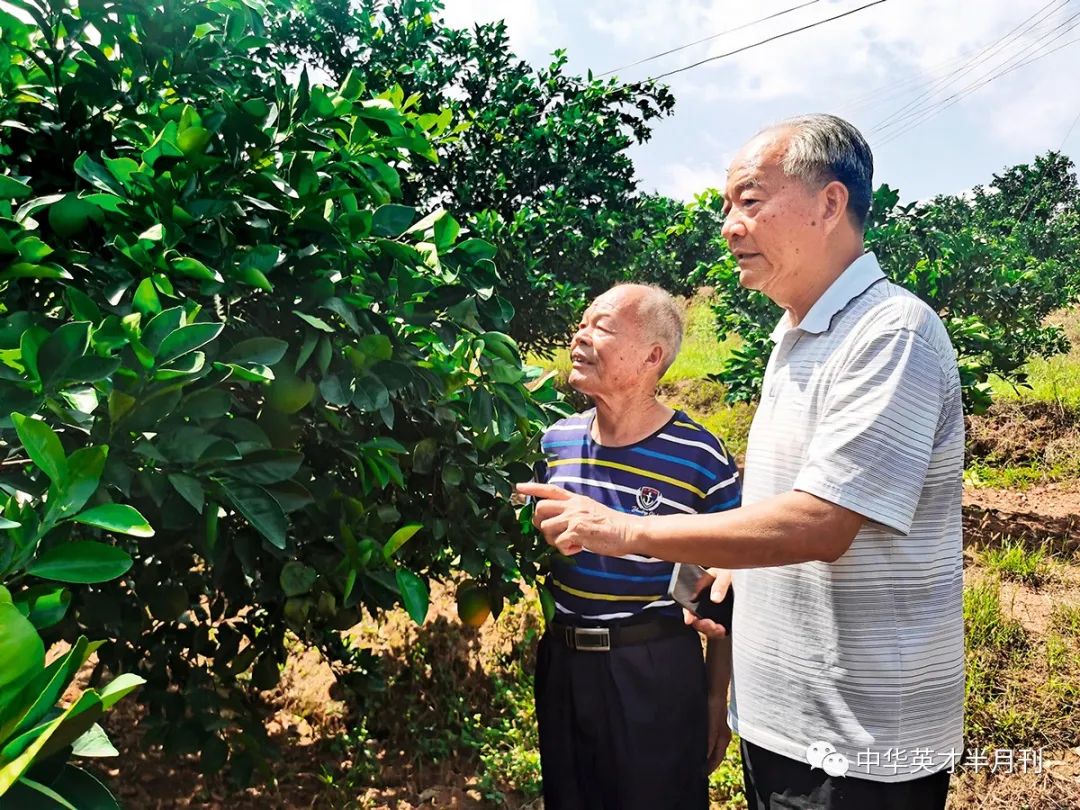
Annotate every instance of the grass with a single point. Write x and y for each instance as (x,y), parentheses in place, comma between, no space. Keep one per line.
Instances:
(1056,379)
(1017,562)
(1019,477)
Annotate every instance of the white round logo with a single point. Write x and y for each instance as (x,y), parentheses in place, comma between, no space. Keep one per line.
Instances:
(816,752)
(835,764)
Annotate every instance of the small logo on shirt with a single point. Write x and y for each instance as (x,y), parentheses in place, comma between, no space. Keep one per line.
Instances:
(648,498)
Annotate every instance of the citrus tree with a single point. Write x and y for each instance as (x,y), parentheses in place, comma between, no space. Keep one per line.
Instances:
(539,160)
(304,385)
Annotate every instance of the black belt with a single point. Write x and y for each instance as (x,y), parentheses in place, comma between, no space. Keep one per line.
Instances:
(603,639)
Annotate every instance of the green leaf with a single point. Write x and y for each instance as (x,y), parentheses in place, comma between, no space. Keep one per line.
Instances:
(42,445)
(297,578)
(31,795)
(193,268)
(75,719)
(376,347)
(81,562)
(190,490)
(94,743)
(46,605)
(116,517)
(85,466)
(21,650)
(392,220)
(480,410)
(260,510)
(163,146)
(333,391)
(187,339)
(146,298)
(48,687)
(8,524)
(120,687)
(12,189)
(96,175)
(370,394)
(62,348)
(267,466)
(161,326)
(446,231)
(311,320)
(414,593)
(122,168)
(399,538)
(77,784)
(264,350)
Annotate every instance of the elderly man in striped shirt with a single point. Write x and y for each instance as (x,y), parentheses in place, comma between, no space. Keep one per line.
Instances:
(848,653)
(630,715)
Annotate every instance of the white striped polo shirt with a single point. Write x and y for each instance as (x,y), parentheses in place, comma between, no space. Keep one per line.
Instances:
(860,406)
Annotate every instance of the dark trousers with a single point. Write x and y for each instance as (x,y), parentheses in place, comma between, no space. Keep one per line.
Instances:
(623,729)
(775,782)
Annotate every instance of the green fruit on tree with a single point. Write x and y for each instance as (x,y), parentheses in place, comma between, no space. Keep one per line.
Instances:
(193,140)
(473,603)
(297,609)
(282,431)
(288,393)
(69,216)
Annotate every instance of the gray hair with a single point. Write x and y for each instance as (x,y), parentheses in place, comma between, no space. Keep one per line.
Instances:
(824,148)
(661,319)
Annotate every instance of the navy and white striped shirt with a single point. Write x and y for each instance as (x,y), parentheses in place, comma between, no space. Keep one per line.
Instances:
(680,469)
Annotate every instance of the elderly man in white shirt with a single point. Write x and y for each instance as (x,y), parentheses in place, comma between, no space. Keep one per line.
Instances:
(848,656)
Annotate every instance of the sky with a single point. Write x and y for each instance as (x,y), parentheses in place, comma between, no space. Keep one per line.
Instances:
(938,87)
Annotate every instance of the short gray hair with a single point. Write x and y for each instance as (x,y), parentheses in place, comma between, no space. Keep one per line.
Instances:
(661,319)
(824,148)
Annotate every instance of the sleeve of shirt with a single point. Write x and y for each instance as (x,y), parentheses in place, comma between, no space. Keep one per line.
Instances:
(725,492)
(872,445)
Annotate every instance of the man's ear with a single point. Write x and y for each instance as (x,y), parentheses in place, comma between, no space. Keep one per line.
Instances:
(656,356)
(834,199)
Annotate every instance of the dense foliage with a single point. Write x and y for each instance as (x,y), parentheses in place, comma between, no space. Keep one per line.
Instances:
(538,163)
(305,386)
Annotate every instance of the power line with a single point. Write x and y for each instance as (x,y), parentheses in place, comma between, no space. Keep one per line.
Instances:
(886,92)
(1028,54)
(915,119)
(763,41)
(970,65)
(708,38)
(630,85)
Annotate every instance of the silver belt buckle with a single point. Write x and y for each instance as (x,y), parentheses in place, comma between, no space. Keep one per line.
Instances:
(589,639)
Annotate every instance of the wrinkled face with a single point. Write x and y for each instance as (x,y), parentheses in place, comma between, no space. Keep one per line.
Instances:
(772,222)
(609,353)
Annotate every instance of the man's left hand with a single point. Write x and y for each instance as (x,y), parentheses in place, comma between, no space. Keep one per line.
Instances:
(573,522)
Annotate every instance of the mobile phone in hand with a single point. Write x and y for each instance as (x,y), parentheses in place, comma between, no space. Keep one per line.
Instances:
(689,586)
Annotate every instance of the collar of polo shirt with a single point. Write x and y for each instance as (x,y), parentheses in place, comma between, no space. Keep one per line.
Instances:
(859,275)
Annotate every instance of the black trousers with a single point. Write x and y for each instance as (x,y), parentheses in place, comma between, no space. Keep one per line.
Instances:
(623,729)
(776,782)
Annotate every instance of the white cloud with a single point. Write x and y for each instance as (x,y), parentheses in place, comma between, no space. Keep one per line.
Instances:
(683,180)
(532,27)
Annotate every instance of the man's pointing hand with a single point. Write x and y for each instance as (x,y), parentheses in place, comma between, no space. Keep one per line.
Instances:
(573,522)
